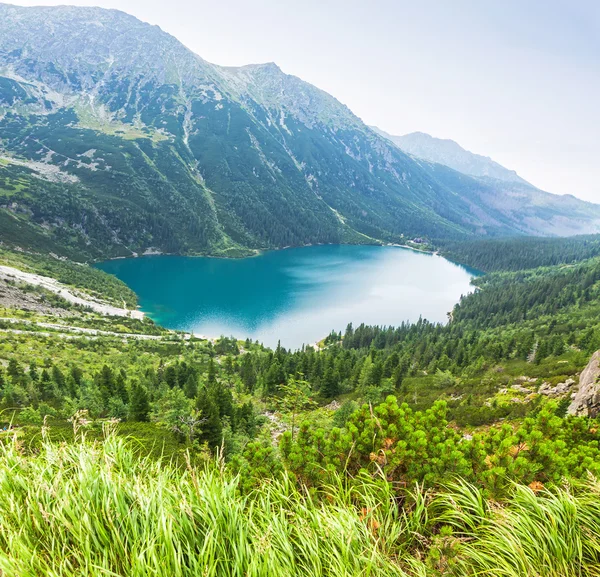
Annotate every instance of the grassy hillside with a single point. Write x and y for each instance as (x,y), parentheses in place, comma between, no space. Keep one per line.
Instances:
(137,194)
(80,276)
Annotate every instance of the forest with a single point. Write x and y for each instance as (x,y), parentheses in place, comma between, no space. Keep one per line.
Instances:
(518,253)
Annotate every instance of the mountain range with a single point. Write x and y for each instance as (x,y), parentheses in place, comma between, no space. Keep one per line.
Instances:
(116,139)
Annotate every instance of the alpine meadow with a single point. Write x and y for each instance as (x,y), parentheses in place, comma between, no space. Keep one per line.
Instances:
(465,444)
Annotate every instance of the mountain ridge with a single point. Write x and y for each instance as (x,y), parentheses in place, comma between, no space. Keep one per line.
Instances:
(448,152)
(502,188)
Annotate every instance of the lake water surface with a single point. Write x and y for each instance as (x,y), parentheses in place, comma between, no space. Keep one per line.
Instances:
(296,295)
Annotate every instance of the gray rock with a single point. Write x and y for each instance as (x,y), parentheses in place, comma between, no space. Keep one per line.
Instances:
(521,389)
(587,398)
(560,389)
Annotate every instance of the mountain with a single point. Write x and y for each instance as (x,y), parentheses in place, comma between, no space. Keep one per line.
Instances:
(451,154)
(529,209)
(115,138)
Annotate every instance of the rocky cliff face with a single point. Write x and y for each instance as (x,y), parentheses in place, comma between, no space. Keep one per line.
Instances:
(587,398)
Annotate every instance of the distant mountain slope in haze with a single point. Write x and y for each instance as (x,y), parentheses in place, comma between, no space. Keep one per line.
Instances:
(115,138)
(452,154)
(501,189)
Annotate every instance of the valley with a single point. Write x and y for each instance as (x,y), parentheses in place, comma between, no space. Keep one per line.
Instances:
(484,401)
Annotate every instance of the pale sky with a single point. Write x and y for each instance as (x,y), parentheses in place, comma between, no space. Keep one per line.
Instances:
(517,80)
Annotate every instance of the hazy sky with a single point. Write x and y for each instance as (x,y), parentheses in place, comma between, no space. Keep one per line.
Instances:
(517,80)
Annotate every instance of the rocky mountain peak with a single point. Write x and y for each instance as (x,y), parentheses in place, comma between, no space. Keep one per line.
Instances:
(272,88)
(74,48)
(451,154)
(77,50)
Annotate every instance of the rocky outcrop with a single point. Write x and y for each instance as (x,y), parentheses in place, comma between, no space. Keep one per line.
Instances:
(558,390)
(587,399)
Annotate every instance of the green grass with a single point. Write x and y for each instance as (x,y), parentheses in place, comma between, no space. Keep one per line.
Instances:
(97,509)
(554,534)
(88,120)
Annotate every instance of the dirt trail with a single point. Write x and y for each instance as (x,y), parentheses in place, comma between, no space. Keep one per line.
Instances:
(81,330)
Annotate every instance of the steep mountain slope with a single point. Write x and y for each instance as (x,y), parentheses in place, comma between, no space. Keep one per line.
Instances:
(115,138)
(452,154)
(502,191)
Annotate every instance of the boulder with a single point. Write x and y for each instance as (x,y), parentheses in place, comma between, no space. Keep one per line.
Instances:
(587,397)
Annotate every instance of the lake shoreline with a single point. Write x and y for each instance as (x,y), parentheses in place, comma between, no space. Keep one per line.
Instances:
(259,252)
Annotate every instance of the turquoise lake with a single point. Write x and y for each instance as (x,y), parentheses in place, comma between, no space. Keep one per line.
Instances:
(296,295)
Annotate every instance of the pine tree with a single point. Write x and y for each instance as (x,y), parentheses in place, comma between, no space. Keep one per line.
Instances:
(330,384)
(105,381)
(58,377)
(14,371)
(223,399)
(33,372)
(228,364)
(365,373)
(183,371)
(248,373)
(274,378)
(349,336)
(77,374)
(71,387)
(212,431)
(246,419)
(140,404)
(46,386)
(120,387)
(376,374)
(390,364)
(211,378)
(191,387)
(170,376)
(398,375)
